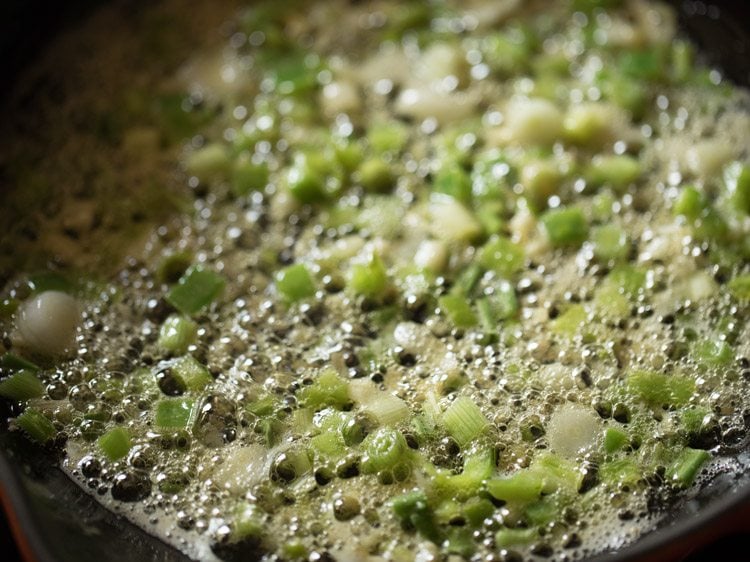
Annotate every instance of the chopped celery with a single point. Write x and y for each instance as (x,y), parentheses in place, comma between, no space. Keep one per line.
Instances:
(295,282)
(453,180)
(369,279)
(565,226)
(610,243)
(191,374)
(458,309)
(617,172)
(21,385)
(195,290)
(501,255)
(687,465)
(115,444)
(614,439)
(36,425)
(464,421)
(658,389)
(174,413)
(328,389)
(383,450)
(177,333)
(375,175)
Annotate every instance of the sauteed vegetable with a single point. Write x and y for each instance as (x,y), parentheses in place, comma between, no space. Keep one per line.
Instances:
(383,280)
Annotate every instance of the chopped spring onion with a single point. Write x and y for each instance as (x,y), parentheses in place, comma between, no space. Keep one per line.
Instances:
(248,176)
(196,289)
(501,255)
(453,180)
(387,409)
(192,374)
(713,353)
(610,243)
(174,413)
(15,363)
(115,444)
(369,279)
(687,465)
(614,439)
(177,333)
(464,421)
(617,172)
(620,472)
(383,450)
(375,175)
(295,283)
(414,512)
(565,226)
(737,181)
(508,538)
(658,389)
(327,390)
(458,309)
(739,287)
(522,487)
(21,385)
(36,425)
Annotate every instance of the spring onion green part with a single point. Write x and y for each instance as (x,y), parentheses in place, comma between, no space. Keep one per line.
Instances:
(21,385)
(464,421)
(565,227)
(36,425)
(177,333)
(174,413)
(195,290)
(295,283)
(115,444)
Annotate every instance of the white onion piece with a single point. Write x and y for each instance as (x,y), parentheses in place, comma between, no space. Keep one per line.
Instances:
(529,121)
(242,469)
(432,255)
(572,429)
(451,221)
(421,103)
(47,323)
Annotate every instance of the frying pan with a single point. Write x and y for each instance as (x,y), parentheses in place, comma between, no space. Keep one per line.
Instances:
(53,520)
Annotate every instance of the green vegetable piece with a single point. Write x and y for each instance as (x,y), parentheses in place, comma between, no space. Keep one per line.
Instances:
(610,243)
(36,425)
(383,450)
(248,176)
(21,385)
(51,281)
(263,407)
(737,181)
(14,362)
(542,512)
(349,154)
(631,95)
(115,444)
(739,287)
(617,172)
(627,279)
(375,175)
(195,290)
(458,310)
(541,180)
(453,180)
(390,136)
(247,523)
(173,266)
(312,178)
(295,283)
(369,279)
(690,203)
(621,472)
(174,413)
(509,538)
(658,389)
(502,300)
(464,421)
(713,353)
(565,226)
(614,439)
(507,53)
(329,445)
(192,374)
(683,60)
(328,389)
(501,255)
(467,280)
(460,541)
(644,64)
(611,303)
(414,512)
(478,467)
(295,550)
(476,510)
(208,163)
(692,420)
(687,465)
(522,487)
(557,473)
(570,322)
(177,333)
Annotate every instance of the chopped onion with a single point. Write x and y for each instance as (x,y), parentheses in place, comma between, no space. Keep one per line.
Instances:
(572,429)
